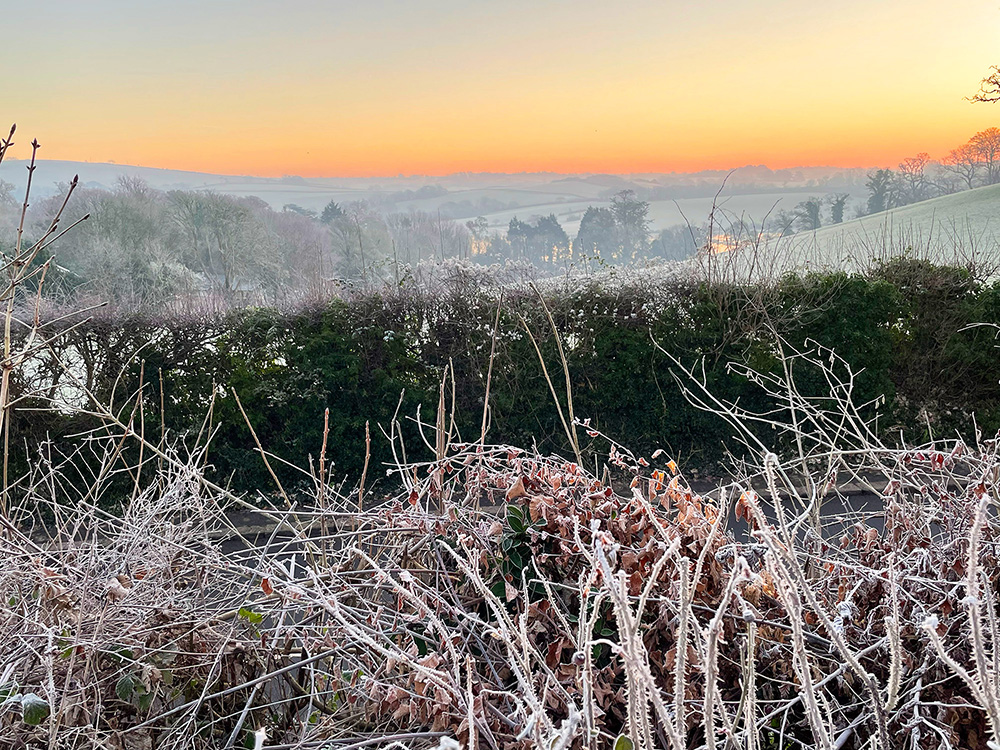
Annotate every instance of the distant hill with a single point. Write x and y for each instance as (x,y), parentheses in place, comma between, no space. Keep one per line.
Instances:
(752,192)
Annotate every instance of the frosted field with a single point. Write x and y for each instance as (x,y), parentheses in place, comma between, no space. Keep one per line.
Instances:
(953,228)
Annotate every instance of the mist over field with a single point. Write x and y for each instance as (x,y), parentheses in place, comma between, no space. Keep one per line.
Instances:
(163,237)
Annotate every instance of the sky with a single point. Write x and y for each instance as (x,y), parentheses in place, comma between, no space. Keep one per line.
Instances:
(387,87)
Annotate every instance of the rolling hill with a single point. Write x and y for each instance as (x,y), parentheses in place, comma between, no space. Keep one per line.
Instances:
(962,227)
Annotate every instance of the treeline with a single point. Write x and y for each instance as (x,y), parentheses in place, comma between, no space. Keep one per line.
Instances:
(976,163)
(912,332)
(613,234)
(144,248)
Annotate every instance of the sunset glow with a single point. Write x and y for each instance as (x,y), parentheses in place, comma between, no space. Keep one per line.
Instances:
(384,87)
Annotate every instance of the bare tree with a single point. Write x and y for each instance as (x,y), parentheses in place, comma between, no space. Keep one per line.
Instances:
(987,146)
(989,87)
(963,163)
(912,174)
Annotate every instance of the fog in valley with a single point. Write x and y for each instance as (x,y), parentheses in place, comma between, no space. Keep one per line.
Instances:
(156,237)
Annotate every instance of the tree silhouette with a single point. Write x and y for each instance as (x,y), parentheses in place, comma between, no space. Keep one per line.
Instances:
(882,190)
(989,87)
(632,219)
(963,162)
(987,146)
(331,212)
(913,178)
(807,215)
(597,235)
(838,202)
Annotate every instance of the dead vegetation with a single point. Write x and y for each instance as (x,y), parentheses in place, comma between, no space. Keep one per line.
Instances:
(570,611)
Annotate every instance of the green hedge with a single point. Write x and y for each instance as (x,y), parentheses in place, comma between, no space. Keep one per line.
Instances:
(908,327)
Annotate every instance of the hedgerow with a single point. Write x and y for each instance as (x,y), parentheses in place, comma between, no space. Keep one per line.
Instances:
(915,333)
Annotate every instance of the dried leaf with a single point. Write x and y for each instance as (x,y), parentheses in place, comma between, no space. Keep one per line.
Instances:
(516,490)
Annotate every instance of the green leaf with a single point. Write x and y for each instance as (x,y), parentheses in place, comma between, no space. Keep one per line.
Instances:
(623,743)
(250,616)
(125,688)
(34,709)
(145,700)
(515,519)
(499,589)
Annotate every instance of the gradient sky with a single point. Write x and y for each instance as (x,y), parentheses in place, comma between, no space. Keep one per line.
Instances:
(383,87)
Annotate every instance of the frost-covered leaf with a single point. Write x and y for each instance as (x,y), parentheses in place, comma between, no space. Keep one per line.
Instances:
(34,709)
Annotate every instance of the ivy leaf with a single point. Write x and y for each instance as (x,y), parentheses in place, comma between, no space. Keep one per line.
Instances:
(515,519)
(34,709)
(499,589)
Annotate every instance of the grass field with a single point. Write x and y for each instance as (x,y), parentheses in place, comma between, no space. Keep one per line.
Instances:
(952,228)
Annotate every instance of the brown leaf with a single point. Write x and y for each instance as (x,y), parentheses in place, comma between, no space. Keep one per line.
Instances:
(552,654)
(629,561)
(510,592)
(539,506)
(516,490)
(635,583)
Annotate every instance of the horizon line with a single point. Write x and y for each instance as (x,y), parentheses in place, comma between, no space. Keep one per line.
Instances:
(730,170)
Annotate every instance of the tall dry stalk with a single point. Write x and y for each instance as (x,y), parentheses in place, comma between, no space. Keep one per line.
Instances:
(20,267)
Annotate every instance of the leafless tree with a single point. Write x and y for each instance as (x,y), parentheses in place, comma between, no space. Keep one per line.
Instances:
(989,87)
(913,175)
(963,163)
(987,146)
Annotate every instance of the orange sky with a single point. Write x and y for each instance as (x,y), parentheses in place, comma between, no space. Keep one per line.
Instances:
(386,87)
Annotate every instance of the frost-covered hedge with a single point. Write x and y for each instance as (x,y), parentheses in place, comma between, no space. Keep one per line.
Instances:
(912,331)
